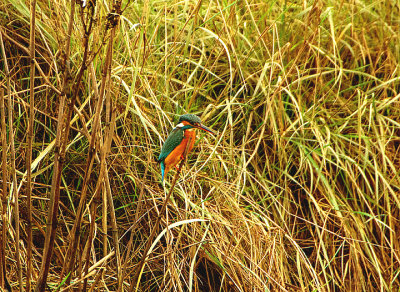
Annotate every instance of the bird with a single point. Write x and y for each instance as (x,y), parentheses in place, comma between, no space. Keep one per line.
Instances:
(172,152)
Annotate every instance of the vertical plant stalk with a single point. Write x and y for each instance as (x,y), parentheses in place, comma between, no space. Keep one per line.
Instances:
(75,231)
(114,227)
(104,220)
(29,137)
(139,269)
(14,190)
(4,188)
(110,113)
(59,157)
(85,259)
(13,169)
(53,204)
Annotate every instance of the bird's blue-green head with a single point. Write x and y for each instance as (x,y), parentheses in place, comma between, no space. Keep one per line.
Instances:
(190,121)
(190,118)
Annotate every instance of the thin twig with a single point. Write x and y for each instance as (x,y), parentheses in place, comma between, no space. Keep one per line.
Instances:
(138,272)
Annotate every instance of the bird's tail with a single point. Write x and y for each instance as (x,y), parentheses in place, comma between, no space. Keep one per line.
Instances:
(162,170)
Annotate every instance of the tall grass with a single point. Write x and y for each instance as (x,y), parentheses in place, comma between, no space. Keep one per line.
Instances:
(298,191)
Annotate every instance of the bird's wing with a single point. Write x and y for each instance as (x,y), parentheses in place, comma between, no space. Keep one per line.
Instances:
(173,140)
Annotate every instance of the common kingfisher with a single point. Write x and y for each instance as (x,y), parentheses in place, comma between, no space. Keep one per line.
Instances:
(174,147)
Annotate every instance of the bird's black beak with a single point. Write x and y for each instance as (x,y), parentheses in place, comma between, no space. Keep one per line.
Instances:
(204,128)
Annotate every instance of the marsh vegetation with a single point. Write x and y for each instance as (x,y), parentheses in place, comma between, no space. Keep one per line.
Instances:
(298,191)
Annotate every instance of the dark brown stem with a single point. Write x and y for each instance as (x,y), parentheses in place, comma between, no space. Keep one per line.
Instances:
(153,232)
(59,157)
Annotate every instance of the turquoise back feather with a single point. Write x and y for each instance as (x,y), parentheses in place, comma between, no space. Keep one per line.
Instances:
(173,140)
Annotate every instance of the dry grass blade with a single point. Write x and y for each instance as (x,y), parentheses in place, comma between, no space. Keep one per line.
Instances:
(4,173)
(13,170)
(29,143)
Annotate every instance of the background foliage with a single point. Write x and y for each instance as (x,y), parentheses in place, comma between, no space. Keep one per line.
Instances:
(299,190)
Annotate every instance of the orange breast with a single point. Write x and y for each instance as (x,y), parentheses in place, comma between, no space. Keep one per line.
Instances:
(177,154)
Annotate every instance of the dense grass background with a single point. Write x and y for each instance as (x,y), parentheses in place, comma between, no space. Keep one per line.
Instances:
(299,190)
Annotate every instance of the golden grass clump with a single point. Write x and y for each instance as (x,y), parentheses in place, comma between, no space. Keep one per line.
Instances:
(298,191)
